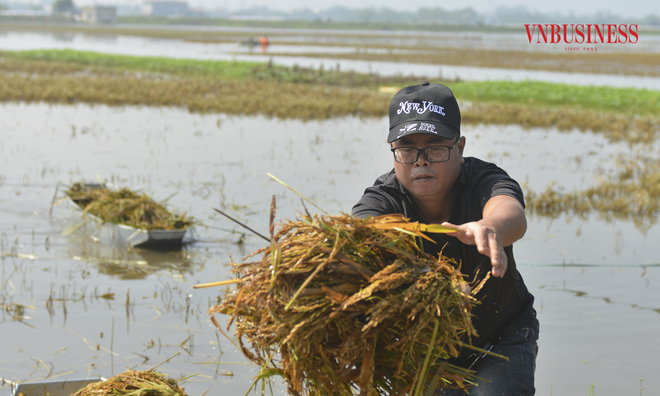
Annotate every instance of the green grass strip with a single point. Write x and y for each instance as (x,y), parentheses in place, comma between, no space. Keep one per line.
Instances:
(235,69)
(634,100)
(532,94)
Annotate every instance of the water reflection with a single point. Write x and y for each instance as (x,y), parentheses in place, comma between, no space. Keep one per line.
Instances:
(64,37)
(135,263)
(101,39)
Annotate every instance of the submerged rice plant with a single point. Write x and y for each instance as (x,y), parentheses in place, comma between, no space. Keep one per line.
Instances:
(631,194)
(126,207)
(134,383)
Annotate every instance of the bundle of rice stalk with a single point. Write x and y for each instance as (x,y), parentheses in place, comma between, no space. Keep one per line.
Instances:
(134,383)
(339,305)
(126,207)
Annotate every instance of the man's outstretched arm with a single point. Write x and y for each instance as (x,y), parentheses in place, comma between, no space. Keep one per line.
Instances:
(502,224)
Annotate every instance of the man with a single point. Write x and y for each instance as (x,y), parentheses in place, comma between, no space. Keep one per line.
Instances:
(433,183)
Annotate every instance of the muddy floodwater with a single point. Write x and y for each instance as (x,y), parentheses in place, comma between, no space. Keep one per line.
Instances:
(72,308)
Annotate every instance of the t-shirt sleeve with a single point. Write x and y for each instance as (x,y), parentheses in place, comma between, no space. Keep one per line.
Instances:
(497,182)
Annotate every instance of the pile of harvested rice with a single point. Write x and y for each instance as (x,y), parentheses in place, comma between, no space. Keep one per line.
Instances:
(134,383)
(126,207)
(340,305)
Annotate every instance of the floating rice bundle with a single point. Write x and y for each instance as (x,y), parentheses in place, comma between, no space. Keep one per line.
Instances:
(339,305)
(124,206)
(134,383)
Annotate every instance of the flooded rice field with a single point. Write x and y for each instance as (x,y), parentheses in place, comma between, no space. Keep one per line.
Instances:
(369,38)
(298,48)
(73,308)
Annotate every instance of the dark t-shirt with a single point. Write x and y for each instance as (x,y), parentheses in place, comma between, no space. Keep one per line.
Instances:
(506,304)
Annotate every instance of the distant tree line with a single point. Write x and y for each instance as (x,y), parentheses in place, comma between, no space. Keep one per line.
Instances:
(439,15)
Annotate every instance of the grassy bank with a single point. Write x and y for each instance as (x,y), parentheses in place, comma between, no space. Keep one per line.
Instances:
(66,76)
(313,24)
(621,100)
(617,63)
(205,86)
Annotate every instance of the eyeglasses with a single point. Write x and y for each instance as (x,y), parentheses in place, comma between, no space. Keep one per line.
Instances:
(409,155)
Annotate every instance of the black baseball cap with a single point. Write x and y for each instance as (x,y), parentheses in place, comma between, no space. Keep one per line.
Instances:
(425,108)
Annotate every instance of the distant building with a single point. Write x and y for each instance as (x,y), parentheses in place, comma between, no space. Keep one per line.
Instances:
(99,14)
(165,8)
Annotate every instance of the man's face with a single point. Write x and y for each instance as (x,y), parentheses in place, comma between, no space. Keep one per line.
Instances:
(424,179)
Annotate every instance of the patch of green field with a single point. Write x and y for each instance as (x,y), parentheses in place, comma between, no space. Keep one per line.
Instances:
(77,59)
(638,101)
(621,100)
(238,87)
(67,76)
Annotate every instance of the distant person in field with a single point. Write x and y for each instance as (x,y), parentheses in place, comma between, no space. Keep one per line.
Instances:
(264,43)
(433,183)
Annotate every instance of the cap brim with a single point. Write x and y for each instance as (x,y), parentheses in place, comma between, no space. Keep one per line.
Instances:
(425,127)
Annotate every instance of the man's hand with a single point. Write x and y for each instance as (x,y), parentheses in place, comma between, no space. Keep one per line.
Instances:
(486,240)
(503,223)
